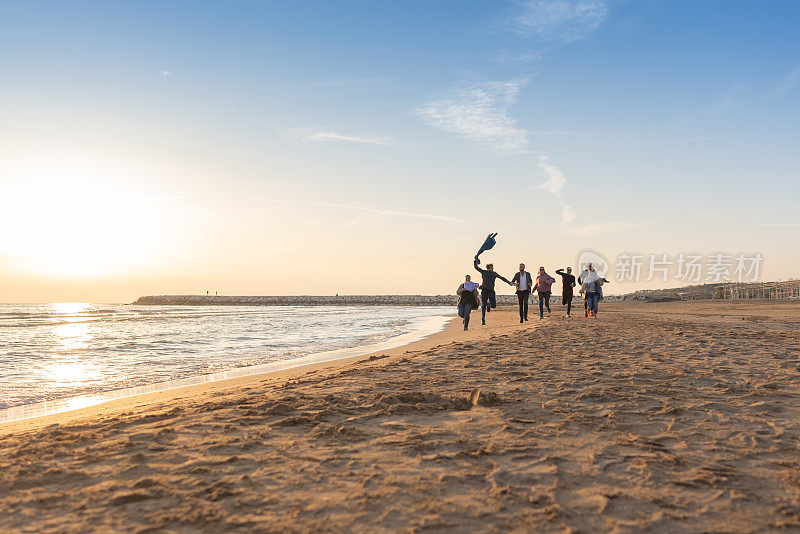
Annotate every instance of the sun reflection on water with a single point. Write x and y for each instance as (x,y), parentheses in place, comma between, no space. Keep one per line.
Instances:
(67,308)
(70,337)
(64,350)
(71,373)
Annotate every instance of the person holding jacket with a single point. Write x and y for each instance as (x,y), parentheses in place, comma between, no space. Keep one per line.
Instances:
(567,283)
(467,299)
(543,284)
(488,295)
(524,282)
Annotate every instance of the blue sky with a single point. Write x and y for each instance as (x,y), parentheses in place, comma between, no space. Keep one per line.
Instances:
(400,132)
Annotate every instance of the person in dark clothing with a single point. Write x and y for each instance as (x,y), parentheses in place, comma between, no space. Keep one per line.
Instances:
(568,282)
(524,282)
(488,296)
(467,299)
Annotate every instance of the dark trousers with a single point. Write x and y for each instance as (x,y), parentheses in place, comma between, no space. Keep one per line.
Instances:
(544,302)
(488,300)
(566,298)
(522,297)
(464,309)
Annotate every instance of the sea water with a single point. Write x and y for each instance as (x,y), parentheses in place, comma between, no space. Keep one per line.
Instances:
(58,351)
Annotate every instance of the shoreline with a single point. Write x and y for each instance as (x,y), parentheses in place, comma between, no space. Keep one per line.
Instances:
(89,406)
(422,329)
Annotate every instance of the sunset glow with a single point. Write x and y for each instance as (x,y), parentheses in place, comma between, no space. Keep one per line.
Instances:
(75,222)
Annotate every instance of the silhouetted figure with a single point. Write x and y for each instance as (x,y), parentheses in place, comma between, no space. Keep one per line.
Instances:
(488,295)
(567,283)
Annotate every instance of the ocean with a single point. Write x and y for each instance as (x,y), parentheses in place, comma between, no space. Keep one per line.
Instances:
(58,351)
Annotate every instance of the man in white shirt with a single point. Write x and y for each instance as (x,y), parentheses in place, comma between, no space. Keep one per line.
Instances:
(523,281)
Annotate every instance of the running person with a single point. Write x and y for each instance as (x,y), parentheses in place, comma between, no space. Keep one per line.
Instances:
(592,289)
(543,283)
(467,299)
(488,296)
(568,282)
(523,281)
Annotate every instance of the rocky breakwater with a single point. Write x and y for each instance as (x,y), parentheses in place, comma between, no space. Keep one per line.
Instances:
(309,300)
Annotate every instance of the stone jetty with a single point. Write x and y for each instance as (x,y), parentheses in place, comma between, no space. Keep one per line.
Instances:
(309,300)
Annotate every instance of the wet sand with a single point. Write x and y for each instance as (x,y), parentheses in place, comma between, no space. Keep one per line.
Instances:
(667,417)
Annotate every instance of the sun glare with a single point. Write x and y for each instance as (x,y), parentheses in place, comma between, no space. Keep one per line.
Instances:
(69,373)
(69,308)
(72,336)
(74,222)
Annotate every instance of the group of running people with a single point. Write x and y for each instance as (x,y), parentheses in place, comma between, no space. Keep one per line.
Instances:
(590,282)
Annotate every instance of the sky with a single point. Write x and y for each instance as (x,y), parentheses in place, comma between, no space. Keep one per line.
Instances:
(359,147)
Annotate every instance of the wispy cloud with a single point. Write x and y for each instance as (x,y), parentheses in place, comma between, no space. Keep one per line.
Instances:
(779,225)
(517,57)
(371,82)
(554,185)
(195,259)
(166,73)
(306,136)
(603,228)
(561,133)
(560,21)
(480,112)
(163,197)
(372,211)
(725,103)
(787,84)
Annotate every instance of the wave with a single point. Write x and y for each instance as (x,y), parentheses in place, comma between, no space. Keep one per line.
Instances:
(123,346)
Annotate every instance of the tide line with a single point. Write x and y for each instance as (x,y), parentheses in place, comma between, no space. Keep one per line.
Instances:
(421,328)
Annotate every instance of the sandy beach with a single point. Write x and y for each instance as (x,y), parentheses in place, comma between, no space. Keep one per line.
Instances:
(678,416)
